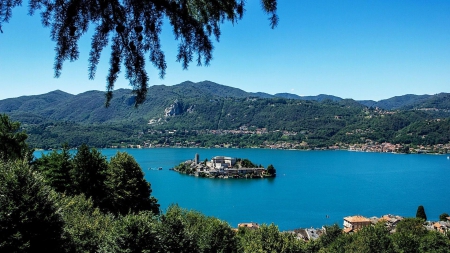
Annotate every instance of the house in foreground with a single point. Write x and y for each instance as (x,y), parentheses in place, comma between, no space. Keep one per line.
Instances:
(355,223)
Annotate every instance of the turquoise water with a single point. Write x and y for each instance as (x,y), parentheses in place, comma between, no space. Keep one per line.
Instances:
(310,185)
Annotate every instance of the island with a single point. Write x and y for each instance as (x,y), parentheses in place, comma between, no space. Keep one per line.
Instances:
(224,167)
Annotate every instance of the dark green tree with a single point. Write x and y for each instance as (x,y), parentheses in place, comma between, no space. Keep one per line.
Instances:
(128,191)
(371,239)
(271,170)
(30,220)
(173,231)
(331,234)
(133,233)
(408,233)
(89,175)
(134,28)
(267,238)
(443,217)
(56,168)
(434,242)
(421,213)
(88,228)
(12,140)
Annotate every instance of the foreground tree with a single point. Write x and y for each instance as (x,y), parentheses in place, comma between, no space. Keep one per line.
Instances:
(134,27)
(408,233)
(88,228)
(56,168)
(89,174)
(133,233)
(421,213)
(30,220)
(443,216)
(267,238)
(12,140)
(128,191)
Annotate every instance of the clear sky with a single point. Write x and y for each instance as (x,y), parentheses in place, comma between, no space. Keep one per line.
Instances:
(360,49)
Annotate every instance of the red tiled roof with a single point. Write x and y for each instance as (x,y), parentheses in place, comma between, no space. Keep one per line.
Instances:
(357,218)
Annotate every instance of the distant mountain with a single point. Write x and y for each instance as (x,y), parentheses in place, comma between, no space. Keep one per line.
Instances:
(397,102)
(410,101)
(56,117)
(37,102)
(88,107)
(261,95)
(321,97)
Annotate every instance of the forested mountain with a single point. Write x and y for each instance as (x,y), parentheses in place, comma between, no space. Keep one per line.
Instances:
(409,101)
(193,108)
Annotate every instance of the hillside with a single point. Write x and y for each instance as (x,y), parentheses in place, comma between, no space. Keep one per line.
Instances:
(203,110)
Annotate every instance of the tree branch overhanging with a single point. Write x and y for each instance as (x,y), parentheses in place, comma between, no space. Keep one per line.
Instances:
(134,27)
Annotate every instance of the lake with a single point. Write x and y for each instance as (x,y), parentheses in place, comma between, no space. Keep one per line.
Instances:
(310,185)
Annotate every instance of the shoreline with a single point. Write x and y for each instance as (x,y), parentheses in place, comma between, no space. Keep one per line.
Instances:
(265,148)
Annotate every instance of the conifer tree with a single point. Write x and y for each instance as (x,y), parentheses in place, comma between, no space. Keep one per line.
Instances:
(30,220)
(421,213)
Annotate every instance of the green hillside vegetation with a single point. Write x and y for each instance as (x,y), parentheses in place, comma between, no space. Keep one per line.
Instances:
(203,114)
(85,203)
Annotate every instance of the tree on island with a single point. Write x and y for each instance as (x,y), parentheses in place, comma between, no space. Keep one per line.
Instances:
(271,170)
(421,213)
(134,28)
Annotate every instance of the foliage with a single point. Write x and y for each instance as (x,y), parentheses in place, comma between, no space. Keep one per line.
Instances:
(189,231)
(88,228)
(271,170)
(434,242)
(133,233)
(30,220)
(128,191)
(443,216)
(421,213)
(371,239)
(267,238)
(12,141)
(134,28)
(89,175)
(117,186)
(246,163)
(330,235)
(408,234)
(56,168)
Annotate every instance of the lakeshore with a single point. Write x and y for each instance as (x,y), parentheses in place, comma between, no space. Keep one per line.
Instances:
(368,146)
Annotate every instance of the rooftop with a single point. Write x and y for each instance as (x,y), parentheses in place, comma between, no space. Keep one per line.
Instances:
(356,218)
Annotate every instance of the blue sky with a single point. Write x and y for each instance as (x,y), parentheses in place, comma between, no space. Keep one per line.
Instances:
(352,49)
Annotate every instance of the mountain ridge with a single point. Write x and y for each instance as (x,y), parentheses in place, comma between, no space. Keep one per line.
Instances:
(192,89)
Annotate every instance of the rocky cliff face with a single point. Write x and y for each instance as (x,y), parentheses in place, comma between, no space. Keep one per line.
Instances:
(174,109)
(177,108)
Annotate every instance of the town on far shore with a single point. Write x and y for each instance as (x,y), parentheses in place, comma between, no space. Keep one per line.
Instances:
(224,167)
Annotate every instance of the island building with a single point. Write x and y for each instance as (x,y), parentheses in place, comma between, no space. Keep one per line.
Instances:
(197,158)
(354,223)
(222,166)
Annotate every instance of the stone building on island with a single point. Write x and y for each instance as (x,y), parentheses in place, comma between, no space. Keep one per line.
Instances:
(220,166)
